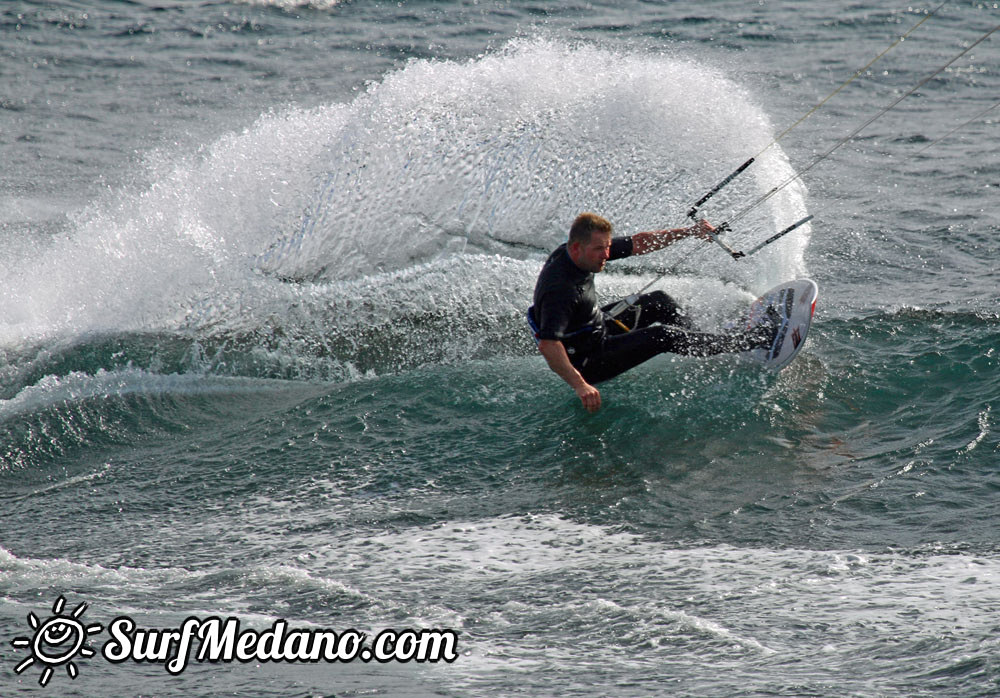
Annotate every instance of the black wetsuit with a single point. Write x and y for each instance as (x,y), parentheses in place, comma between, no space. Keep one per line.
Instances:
(565,309)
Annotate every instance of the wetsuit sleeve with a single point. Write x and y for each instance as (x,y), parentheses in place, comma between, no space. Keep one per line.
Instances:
(552,312)
(620,248)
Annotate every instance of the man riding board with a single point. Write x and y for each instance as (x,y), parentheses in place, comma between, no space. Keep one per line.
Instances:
(582,343)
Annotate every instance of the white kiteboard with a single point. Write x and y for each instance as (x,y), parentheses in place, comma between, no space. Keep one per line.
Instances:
(795,303)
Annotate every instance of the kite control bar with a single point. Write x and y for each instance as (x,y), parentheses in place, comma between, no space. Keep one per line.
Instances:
(735,254)
(715,190)
(721,229)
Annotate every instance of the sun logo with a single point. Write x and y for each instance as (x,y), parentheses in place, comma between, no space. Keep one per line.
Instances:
(57,641)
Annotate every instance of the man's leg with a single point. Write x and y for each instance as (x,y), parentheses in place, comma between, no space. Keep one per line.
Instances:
(651,308)
(619,353)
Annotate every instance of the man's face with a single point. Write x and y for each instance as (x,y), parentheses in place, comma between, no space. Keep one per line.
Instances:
(592,255)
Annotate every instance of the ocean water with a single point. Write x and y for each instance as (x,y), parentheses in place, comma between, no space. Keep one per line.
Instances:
(262,350)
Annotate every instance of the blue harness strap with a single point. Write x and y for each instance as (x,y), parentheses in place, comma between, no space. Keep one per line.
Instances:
(535,330)
(532,324)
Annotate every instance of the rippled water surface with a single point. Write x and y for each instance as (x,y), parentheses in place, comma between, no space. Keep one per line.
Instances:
(262,350)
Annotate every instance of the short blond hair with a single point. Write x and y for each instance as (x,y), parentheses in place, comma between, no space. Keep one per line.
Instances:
(585,225)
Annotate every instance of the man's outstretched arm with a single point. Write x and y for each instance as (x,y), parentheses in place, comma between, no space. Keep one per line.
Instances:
(644,243)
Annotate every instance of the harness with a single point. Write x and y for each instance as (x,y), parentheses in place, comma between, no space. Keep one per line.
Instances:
(586,329)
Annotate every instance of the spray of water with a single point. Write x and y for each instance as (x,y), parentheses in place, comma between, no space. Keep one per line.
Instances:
(422,207)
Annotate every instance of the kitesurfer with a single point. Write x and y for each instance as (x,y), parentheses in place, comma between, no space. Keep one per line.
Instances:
(582,343)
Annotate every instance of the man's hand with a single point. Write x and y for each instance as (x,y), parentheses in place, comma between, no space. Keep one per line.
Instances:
(702,229)
(558,360)
(589,396)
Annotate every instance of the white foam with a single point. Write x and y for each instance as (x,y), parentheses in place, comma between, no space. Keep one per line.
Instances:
(492,155)
(77,386)
(754,599)
(26,573)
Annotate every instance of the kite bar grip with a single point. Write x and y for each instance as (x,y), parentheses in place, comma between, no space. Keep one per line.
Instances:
(717,187)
